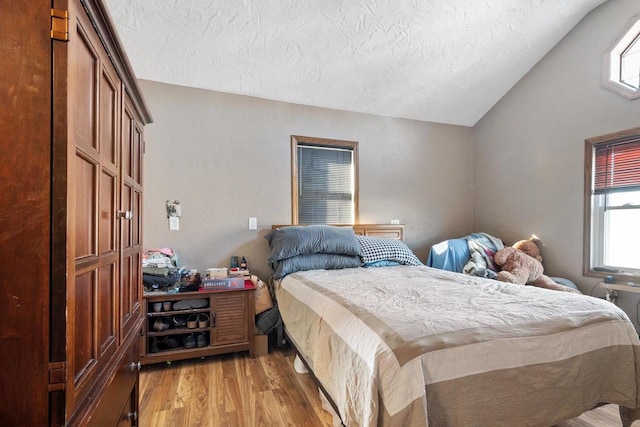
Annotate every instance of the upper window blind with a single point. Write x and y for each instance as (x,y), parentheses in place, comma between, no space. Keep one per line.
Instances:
(617,167)
(325,185)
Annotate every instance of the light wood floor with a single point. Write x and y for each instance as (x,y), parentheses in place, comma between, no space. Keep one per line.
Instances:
(235,390)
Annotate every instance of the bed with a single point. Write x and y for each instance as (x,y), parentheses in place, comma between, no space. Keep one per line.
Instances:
(409,345)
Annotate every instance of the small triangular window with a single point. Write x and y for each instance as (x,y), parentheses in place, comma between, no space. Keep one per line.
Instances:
(622,62)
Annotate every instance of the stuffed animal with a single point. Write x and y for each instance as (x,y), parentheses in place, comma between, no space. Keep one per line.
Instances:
(529,247)
(522,264)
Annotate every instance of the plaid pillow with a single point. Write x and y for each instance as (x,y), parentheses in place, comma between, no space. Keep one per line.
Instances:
(376,249)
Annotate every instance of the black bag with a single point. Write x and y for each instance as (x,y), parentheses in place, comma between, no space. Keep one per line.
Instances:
(268,320)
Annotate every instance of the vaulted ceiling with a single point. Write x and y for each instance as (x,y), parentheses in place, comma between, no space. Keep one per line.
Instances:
(446,61)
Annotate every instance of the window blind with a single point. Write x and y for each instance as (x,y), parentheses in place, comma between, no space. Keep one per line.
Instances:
(325,185)
(617,167)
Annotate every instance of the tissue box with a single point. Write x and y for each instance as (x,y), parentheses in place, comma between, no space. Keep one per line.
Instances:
(216,273)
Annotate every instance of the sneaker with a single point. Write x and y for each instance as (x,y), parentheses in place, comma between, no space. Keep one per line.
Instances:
(189,341)
(201,339)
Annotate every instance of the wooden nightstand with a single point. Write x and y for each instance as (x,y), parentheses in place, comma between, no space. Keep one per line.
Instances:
(167,335)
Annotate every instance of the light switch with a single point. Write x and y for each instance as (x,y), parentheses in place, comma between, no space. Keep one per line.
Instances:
(253,223)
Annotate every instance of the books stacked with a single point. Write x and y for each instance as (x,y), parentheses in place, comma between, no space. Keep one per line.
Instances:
(222,283)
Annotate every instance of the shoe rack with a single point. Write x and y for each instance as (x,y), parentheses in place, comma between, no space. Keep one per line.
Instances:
(197,324)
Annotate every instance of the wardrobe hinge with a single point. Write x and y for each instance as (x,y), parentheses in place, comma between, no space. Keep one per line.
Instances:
(57,375)
(60,25)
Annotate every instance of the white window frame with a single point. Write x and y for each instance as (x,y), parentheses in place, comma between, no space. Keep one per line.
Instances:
(308,141)
(612,65)
(594,214)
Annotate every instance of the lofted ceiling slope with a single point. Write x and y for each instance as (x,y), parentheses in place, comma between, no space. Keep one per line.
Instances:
(446,61)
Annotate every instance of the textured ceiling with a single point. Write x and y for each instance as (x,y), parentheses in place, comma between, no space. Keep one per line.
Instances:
(445,61)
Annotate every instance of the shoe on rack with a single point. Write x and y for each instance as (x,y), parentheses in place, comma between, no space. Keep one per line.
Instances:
(186,304)
(153,345)
(167,342)
(201,339)
(179,320)
(189,341)
(161,324)
(203,320)
(192,321)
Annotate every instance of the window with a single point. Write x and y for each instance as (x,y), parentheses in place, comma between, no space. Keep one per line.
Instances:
(612,204)
(324,181)
(622,62)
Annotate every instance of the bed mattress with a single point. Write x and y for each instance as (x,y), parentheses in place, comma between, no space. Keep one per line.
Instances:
(417,346)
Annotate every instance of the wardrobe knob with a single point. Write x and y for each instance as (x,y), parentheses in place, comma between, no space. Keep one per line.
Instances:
(128,215)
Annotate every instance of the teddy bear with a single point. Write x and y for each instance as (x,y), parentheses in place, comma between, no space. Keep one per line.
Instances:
(522,264)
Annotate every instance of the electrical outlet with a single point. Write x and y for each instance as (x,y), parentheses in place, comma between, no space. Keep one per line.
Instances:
(253,223)
(174,223)
(395,221)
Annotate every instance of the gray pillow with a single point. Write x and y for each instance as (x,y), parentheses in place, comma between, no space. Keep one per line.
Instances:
(287,242)
(313,262)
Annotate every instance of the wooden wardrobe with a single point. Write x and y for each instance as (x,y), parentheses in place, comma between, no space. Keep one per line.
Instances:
(72,144)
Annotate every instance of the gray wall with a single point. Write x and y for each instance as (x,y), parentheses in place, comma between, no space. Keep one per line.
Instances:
(227,158)
(529,149)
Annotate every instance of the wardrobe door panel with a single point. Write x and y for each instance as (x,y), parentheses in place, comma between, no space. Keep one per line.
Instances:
(128,123)
(136,283)
(136,223)
(106,326)
(83,351)
(109,103)
(85,207)
(84,89)
(125,294)
(131,290)
(136,155)
(107,221)
(125,225)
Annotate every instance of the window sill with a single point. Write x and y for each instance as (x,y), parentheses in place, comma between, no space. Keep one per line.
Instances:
(628,287)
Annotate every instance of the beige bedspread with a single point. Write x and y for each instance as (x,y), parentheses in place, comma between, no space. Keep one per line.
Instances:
(416,346)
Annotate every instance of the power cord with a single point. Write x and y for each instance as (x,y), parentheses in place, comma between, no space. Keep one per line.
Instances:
(610,294)
(594,287)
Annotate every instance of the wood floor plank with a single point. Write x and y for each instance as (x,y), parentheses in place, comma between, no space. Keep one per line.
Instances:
(236,391)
